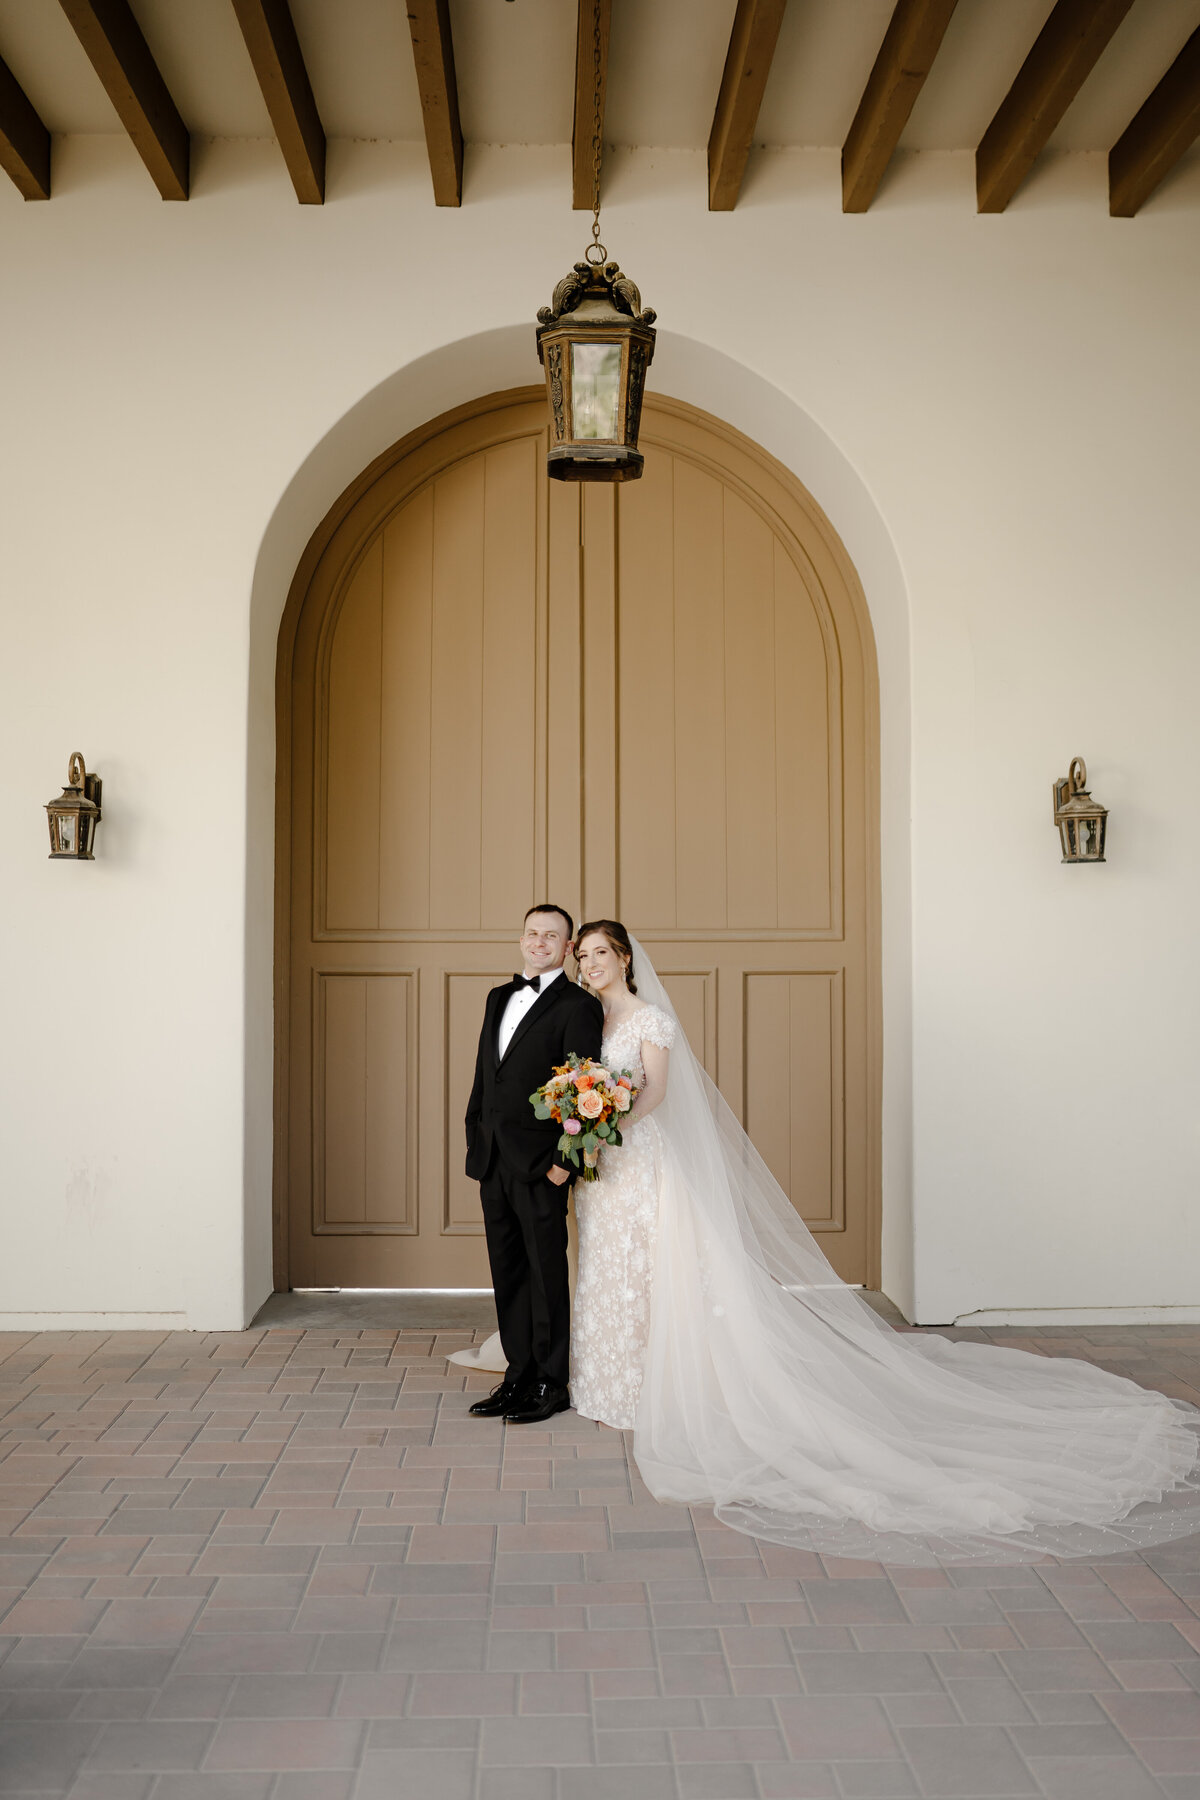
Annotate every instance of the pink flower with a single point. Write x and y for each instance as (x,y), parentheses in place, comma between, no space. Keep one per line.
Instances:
(622,1099)
(590,1104)
(572,1127)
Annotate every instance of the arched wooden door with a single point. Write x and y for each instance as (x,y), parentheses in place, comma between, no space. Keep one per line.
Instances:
(655,702)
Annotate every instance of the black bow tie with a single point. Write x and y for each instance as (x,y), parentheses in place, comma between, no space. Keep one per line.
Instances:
(529,981)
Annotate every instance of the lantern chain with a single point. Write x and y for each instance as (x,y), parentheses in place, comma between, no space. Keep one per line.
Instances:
(596,252)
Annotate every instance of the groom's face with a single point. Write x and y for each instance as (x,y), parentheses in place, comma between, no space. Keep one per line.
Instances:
(544,942)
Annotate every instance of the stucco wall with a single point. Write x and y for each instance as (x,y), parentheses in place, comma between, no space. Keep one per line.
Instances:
(997,414)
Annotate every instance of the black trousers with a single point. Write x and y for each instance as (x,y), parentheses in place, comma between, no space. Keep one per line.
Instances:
(526,1224)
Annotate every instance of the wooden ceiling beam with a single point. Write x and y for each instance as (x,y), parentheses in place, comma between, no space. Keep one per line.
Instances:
(595,19)
(121,57)
(270,34)
(912,40)
(433,54)
(24,140)
(743,83)
(1064,55)
(1157,135)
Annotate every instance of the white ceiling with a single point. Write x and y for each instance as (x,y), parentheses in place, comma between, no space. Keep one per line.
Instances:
(515,62)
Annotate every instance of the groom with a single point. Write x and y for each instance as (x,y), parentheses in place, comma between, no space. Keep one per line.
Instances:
(530,1026)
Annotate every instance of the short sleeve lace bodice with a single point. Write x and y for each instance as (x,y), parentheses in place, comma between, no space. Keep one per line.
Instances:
(623,1044)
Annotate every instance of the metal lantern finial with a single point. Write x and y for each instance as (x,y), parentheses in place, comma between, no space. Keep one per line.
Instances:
(595,342)
(73,817)
(1082,823)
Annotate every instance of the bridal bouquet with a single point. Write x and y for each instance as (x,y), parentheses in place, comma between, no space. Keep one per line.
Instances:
(587,1100)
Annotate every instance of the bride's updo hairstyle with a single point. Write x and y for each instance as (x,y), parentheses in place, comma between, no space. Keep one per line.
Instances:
(618,940)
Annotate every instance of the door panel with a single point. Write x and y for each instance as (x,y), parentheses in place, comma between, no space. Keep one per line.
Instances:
(652,702)
(364,1175)
(429,732)
(693,994)
(793,1091)
(353,773)
(729,697)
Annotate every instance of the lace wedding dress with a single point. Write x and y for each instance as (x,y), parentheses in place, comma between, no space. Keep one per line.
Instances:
(757,1382)
(617,1220)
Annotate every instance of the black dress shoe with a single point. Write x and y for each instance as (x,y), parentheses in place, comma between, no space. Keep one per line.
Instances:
(540,1401)
(500,1401)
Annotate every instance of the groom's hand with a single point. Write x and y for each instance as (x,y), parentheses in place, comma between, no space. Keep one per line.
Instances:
(557,1174)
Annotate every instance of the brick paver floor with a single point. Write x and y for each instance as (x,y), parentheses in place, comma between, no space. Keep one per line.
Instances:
(285,1565)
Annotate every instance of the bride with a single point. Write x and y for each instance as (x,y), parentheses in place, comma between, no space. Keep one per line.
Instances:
(755,1381)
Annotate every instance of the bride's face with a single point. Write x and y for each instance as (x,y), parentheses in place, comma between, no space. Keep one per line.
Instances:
(600,965)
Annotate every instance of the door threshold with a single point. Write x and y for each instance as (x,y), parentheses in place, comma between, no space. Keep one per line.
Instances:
(463,1310)
(389,1290)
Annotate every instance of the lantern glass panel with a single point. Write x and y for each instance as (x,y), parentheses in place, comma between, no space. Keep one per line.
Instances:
(66,833)
(595,390)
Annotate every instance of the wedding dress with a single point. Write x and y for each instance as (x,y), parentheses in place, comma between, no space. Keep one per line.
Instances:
(756,1381)
(617,1220)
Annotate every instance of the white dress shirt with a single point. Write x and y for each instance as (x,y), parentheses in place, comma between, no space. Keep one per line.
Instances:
(518,1005)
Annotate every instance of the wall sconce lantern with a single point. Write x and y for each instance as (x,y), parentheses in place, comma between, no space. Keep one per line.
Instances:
(74,816)
(595,343)
(1082,824)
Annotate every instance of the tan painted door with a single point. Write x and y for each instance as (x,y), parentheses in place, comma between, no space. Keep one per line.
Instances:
(653,702)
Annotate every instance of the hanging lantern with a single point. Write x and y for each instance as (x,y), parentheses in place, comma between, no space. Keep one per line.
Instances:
(1082,824)
(595,343)
(74,816)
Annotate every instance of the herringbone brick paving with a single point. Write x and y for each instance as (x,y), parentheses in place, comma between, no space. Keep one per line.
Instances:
(285,1565)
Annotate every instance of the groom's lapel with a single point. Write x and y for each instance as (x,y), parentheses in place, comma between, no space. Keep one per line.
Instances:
(538,1010)
(497,1001)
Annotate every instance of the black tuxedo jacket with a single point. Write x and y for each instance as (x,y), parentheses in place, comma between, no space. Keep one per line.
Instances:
(562,1018)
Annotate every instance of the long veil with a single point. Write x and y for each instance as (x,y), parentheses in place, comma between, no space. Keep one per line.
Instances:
(773,1392)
